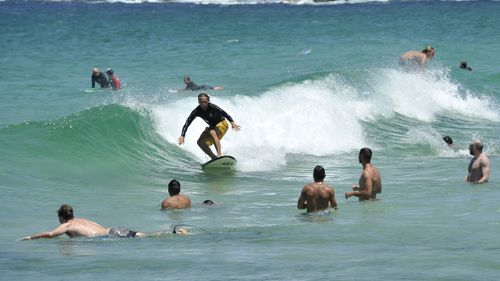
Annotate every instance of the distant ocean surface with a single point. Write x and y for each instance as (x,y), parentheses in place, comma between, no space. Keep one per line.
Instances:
(310,85)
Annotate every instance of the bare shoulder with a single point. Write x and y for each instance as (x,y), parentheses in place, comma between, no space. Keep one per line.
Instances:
(484,159)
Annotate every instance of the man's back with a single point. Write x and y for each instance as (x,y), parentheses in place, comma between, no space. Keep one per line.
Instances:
(83,227)
(176,202)
(317,196)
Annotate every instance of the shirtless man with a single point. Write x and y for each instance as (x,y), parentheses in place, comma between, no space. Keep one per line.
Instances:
(315,196)
(413,60)
(77,227)
(175,201)
(369,182)
(479,166)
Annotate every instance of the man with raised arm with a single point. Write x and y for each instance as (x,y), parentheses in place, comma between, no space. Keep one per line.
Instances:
(369,182)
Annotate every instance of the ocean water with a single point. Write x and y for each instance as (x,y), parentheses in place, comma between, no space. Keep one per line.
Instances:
(309,84)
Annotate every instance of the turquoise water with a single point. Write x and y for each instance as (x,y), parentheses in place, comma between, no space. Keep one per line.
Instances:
(308,84)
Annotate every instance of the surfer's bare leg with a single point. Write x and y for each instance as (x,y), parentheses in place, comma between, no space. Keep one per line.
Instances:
(214,135)
(204,146)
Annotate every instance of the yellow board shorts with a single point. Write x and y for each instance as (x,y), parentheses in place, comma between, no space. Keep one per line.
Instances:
(222,128)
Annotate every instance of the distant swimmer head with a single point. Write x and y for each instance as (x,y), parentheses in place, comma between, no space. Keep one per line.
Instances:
(319,173)
(429,51)
(174,187)
(448,140)
(95,71)
(208,202)
(109,71)
(463,65)
(187,79)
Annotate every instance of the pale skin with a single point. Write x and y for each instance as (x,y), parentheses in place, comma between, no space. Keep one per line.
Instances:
(73,228)
(176,202)
(316,196)
(479,166)
(420,57)
(369,183)
(203,102)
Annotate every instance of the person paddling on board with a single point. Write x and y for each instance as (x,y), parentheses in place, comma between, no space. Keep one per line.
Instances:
(191,86)
(217,125)
(79,227)
(100,78)
(113,79)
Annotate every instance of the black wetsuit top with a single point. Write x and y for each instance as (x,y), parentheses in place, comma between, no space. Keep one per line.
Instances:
(191,86)
(101,80)
(213,116)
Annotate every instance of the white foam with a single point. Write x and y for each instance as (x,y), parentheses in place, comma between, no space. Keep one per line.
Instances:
(425,96)
(307,118)
(322,116)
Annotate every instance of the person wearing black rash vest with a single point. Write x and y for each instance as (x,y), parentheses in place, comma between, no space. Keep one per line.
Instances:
(100,78)
(191,86)
(217,125)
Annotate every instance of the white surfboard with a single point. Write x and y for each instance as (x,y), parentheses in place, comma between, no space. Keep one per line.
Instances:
(225,161)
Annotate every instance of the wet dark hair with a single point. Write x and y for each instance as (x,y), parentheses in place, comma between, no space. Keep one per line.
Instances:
(65,212)
(319,173)
(448,140)
(204,95)
(463,65)
(208,202)
(366,153)
(174,187)
(187,78)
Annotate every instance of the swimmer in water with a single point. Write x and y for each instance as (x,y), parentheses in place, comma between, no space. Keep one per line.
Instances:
(176,200)
(479,166)
(316,195)
(413,60)
(369,182)
(79,227)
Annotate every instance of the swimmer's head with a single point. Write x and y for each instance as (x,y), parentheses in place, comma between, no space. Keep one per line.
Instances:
(65,213)
(319,173)
(429,51)
(365,155)
(109,71)
(174,187)
(475,146)
(448,140)
(463,65)
(187,79)
(95,71)
(208,202)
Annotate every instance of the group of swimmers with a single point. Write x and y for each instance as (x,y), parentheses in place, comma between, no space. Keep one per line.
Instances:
(314,197)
